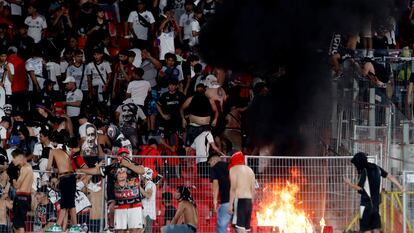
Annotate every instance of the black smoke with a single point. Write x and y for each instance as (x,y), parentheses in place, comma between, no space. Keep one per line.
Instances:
(262,37)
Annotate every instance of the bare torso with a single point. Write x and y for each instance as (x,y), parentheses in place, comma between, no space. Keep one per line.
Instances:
(245,181)
(62,161)
(217,94)
(26,185)
(190,213)
(199,120)
(233,119)
(3,211)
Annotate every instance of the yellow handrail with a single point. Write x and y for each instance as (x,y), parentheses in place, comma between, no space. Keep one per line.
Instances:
(394,197)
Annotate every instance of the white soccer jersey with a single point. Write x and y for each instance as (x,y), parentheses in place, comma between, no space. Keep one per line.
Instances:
(137,25)
(36,26)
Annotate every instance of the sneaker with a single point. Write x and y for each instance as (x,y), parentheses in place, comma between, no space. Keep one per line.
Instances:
(55,228)
(74,229)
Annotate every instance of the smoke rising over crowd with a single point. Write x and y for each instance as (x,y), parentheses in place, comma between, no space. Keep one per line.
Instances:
(266,37)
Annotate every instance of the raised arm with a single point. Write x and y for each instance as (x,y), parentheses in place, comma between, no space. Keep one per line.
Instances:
(90,171)
(138,169)
(395,181)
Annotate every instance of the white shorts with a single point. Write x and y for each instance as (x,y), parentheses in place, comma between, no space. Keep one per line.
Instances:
(128,218)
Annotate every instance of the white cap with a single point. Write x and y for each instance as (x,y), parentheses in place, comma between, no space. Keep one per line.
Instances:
(69,79)
(211,81)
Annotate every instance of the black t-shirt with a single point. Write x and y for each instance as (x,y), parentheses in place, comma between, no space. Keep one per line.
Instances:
(220,172)
(370,181)
(171,103)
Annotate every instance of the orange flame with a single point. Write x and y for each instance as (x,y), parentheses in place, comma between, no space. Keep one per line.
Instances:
(279,209)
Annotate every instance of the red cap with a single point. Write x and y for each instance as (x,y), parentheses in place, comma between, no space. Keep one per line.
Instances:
(237,159)
(122,150)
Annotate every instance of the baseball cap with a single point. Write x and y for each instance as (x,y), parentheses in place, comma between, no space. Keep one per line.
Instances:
(69,79)
(12,49)
(123,150)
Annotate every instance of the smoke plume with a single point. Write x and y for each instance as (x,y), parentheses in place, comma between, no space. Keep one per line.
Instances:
(262,36)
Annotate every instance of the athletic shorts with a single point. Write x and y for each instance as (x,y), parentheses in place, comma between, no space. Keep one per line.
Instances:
(67,186)
(242,213)
(370,218)
(21,205)
(131,218)
(182,228)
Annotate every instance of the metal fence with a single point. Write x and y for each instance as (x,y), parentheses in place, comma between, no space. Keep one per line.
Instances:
(408,201)
(45,207)
(315,184)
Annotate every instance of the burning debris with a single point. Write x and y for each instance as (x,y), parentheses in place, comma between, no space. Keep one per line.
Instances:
(280,209)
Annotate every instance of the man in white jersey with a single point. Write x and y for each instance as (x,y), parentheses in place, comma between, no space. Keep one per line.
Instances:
(73,101)
(36,22)
(99,76)
(78,71)
(185,21)
(141,24)
(6,75)
(34,69)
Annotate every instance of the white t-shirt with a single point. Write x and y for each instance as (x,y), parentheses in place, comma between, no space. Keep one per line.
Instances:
(201,145)
(195,27)
(3,133)
(73,96)
(82,130)
(166,43)
(139,30)
(36,26)
(6,78)
(123,111)
(150,73)
(63,66)
(104,68)
(81,200)
(76,72)
(149,203)
(139,90)
(185,23)
(35,64)
(15,9)
(53,71)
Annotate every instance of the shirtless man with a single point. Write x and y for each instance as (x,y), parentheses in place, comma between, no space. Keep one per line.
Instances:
(67,186)
(187,210)
(198,131)
(242,185)
(23,185)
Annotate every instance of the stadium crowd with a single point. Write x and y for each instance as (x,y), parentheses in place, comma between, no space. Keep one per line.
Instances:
(81,80)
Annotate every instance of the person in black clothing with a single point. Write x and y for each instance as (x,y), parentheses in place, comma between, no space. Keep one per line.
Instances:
(219,176)
(369,186)
(169,108)
(170,210)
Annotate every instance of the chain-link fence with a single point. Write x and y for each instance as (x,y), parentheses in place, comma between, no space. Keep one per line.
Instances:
(314,184)
(408,201)
(45,203)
